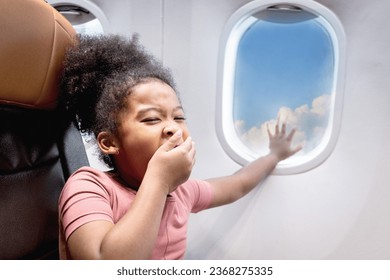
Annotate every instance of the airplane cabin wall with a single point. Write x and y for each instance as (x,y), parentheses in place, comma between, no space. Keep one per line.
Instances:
(338,210)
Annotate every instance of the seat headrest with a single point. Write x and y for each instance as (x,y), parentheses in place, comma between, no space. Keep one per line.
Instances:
(34,39)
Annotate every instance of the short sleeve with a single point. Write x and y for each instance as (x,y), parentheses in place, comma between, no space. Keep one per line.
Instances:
(201,195)
(84,199)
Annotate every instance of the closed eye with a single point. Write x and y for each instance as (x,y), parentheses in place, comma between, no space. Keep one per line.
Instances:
(150,120)
(180,118)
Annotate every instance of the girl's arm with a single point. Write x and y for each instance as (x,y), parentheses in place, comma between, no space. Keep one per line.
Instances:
(134,236)
(231,188)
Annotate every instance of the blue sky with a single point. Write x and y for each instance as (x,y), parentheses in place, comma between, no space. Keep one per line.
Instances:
(281,65)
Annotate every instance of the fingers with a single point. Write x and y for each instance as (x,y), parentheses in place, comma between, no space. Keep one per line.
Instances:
(175,146)
(188,149)
(278,132)
(269,131)
(277,127)
(173,141)
(281,140)
(291,134)
(192,151)
(297,149)
(188,145)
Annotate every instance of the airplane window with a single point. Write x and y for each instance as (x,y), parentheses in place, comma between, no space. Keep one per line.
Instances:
(281,60)
(83,19)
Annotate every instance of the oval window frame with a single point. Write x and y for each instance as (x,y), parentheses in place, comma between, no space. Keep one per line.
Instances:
(91,7)
(230,38)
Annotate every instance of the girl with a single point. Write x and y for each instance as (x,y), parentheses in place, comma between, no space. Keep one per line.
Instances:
(139,209)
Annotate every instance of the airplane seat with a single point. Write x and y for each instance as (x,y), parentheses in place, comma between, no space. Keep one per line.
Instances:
(38,148)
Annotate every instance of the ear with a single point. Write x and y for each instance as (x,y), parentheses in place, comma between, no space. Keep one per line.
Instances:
(107,143)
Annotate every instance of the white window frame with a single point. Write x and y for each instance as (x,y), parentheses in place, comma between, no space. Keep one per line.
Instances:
(90,6)
(231,35)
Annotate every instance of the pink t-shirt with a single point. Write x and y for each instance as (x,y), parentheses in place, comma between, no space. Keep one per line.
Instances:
(91,195)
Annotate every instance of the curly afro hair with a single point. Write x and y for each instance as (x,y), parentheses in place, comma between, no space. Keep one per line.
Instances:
(98,75)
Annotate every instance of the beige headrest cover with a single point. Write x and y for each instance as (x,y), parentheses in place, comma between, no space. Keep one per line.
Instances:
(33,41)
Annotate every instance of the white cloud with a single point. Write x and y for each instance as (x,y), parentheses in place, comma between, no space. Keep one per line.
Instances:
(310,122)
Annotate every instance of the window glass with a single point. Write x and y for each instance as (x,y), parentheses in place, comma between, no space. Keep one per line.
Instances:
(90,27)
(281,62)
(284,66)
(83,21)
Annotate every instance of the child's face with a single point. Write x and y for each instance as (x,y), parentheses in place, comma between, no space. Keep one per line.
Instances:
(154,114)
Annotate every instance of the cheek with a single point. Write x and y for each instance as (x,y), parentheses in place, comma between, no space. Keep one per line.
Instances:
(141,147)
(136,154)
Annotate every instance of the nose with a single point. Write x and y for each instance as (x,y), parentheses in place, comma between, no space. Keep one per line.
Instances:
(170,129)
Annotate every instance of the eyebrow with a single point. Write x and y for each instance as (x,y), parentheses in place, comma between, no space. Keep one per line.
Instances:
(146,110)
